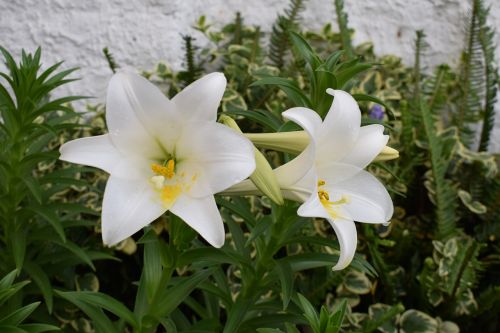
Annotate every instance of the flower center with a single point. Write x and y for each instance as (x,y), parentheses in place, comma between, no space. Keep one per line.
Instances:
(168,183)
(332,207)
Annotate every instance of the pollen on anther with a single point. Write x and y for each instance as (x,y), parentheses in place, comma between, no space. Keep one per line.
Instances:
(170,169)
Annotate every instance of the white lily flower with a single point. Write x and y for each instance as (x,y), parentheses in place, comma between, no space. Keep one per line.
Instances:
(328,176)
(164,155)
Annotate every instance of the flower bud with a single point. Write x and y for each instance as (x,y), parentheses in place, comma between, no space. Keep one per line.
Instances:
(387,154)
(263,177)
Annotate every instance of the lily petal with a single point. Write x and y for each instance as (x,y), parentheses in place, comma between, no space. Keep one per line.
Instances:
(348,239)
(128,206)
(99,152)
(313,207)
(216,155)
(340,128)
(370,142)
(291,173)
(369,200)
(202,215)
(200,100)
(137,111)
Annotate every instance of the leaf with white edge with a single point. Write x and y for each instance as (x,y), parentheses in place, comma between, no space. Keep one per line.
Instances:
(357,282)
(448,327)
(414,321)
(473,205)
(383,317)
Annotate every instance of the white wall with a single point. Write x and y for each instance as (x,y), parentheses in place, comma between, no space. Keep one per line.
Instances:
(142,32)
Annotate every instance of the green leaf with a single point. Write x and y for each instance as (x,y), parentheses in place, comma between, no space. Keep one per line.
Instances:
(42,281)
(51,217)
(18,316)
(260,227)
(152,266)
(304,50)
(309,312)
(237,314)
(38,328)
(11,329)
(210,254)
(34,188)
(290,88)
(6,293)
(168,300)
(99,300)
(286,277)
(18,243)
(335,320)
(263,117)
(347,74)
(8,279)
(78,251)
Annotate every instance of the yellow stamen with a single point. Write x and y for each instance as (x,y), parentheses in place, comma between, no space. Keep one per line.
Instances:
(324,198)
(170,169)
(167,171)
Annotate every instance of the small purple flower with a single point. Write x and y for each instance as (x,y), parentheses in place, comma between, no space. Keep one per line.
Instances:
(377,112)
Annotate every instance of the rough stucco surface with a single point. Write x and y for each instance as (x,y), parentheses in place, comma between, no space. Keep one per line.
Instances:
(142,32)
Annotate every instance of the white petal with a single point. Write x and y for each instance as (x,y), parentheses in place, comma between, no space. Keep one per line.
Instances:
(218,156)
(128,206)
(291,173)
(99,152)
(370,142)
(199,101)
(313,207)
(369,200)
(202,215)
(348,239)
(340,128)
(137,112)
(302,189)
(333,172)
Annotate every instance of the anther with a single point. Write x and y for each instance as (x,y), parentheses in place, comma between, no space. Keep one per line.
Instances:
(170,169)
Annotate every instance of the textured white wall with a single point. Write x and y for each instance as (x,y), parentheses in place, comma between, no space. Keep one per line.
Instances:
(142,32)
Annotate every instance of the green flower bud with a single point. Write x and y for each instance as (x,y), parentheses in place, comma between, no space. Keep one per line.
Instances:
(263,177)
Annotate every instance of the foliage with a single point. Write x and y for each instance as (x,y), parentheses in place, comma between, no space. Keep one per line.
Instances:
(433,269)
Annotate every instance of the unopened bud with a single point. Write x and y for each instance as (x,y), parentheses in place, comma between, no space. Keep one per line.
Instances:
(387,154)
(263,177)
